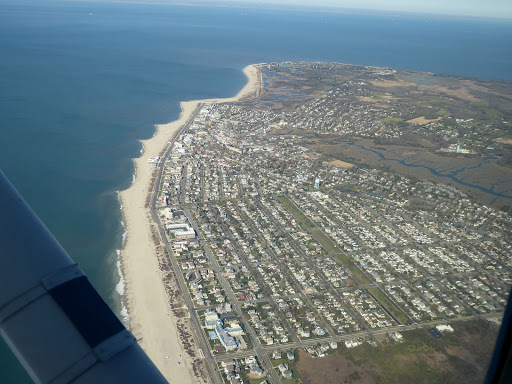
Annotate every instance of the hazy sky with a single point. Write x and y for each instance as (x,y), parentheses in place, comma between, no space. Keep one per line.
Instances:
(485,8)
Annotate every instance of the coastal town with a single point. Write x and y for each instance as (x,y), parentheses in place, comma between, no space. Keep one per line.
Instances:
(255,192)
(282,249)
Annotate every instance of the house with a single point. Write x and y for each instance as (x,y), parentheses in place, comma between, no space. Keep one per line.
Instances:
(210,319)
(282,367)
(287,374)
(444,328)
(256,371)
(235,330)
(303,333)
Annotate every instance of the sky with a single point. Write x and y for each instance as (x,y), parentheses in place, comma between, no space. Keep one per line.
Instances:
(475,8)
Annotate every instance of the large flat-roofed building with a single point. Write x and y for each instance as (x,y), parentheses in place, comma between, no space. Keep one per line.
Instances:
(181,231)
(235,330)
(211,319)
(225,335)
(227,341)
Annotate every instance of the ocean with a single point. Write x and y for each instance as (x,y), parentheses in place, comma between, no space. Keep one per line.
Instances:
(82,82)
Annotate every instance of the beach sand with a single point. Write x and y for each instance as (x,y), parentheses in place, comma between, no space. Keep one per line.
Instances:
(151,317)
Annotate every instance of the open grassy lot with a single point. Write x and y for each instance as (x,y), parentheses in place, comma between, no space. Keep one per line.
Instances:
(296,212)
(458,358)
(384,300)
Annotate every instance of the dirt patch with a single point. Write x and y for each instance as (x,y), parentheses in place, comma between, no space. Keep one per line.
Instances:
(391,83)
(460,93)
(463,354)
(504,140)
(333,369)
(312,155)
(369,99)
(422,120)
(339,164)
(375,99)
(436,360)
(476,87)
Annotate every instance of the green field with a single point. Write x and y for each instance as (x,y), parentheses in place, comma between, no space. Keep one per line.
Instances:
(325,241)
(443,113)
(356,273)
(296,212)
(388,305)
(391,120)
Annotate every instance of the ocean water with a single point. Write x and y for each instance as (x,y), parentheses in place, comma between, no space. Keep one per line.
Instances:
(82,82)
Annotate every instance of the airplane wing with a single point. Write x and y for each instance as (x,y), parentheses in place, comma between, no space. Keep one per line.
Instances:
(52,318)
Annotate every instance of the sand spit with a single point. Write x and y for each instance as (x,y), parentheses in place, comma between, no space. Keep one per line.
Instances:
(154,305)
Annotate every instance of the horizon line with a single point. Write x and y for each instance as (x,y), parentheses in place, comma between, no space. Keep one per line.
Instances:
(303,7)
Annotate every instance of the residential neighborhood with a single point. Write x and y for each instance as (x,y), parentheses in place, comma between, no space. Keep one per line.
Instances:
(281,247)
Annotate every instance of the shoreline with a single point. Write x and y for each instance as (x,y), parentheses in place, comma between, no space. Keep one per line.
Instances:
(151,316)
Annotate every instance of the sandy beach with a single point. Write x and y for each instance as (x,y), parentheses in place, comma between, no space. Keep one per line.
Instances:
(152,319)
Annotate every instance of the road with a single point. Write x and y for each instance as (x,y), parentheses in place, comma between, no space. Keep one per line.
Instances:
(203,343)
(263,358)
(261,351)
(342,338)
(315,268)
